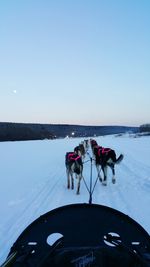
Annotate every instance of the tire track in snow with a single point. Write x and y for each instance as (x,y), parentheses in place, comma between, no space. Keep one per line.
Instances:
(115,196)
(120,200)
(31,209)
(133,185)
(136,179)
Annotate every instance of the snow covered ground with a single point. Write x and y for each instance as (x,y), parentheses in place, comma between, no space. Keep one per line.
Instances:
(33,182)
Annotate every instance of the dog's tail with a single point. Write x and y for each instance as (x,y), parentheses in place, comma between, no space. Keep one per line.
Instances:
(119,159)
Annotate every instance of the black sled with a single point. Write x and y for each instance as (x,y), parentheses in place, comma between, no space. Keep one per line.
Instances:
(88,235)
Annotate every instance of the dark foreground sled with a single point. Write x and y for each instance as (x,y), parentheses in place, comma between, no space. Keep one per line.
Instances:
(86,235)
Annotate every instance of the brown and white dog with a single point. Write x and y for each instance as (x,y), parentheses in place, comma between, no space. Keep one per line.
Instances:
(74,165)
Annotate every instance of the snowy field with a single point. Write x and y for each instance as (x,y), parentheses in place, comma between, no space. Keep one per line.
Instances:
(33,182)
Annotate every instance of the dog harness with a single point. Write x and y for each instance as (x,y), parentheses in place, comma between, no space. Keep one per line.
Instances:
(73,156)
(103,150)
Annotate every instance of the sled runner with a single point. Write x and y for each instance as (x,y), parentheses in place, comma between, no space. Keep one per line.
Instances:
(86,235)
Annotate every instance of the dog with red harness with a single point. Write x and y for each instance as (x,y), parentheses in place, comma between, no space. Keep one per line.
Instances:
(74,165)
(104,158)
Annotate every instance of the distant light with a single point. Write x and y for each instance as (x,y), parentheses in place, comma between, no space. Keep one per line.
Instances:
(73,133)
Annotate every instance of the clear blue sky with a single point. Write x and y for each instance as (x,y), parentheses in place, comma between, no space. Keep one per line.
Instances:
(75,61)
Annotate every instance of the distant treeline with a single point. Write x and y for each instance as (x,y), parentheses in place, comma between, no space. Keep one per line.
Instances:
(29,131)
(144,128)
